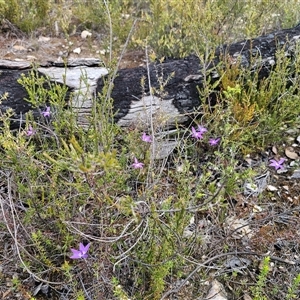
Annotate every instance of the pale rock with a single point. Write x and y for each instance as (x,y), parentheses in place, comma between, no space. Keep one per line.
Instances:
(77,50)
(272,188)
(19,48)
(217,291)
(43,39)
(85,34)
(31,57)
(257,208)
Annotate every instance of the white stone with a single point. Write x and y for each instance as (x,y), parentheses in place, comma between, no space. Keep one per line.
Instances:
(77,50)
(272,188)
(85,34)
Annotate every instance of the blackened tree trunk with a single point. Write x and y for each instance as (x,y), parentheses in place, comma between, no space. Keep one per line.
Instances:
(168,90)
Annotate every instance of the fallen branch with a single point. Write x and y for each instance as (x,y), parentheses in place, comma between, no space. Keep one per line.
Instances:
(175,83)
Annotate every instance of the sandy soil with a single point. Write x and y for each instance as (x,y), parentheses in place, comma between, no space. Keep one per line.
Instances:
(43,48)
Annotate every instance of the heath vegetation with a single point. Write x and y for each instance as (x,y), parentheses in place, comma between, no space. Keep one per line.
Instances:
(89,213)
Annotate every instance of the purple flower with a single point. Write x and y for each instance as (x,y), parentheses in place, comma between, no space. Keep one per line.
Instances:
(277,164)
(196,134)
(30,131)
(137,164)
(146,138)
(213,142)
(81,253)
(46,113)
(201,129)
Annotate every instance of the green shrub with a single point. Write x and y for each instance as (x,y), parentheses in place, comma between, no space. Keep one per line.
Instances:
(67,185)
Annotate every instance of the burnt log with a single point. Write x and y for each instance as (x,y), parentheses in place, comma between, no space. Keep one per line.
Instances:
(79,76)
(168,90)
(180,97)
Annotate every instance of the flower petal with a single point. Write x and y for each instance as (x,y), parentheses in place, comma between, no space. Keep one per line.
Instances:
(76,254)
(84,249)
(201,129)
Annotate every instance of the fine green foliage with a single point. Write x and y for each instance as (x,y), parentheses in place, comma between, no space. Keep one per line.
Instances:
(258,290)
(249,108)
(170,27)
(292,290)
(27,14)
(65,185)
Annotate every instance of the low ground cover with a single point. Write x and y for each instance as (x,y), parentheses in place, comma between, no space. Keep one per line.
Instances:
(91,214)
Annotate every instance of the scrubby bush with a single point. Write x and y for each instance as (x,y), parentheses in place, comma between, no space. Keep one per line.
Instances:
(90,213)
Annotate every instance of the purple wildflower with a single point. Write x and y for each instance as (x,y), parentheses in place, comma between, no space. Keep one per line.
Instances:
(81,253)
(137,164)
(30,131)
(213,142)
(46,113)
(196,134)
(277,164)
(146,138)
(201,129)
